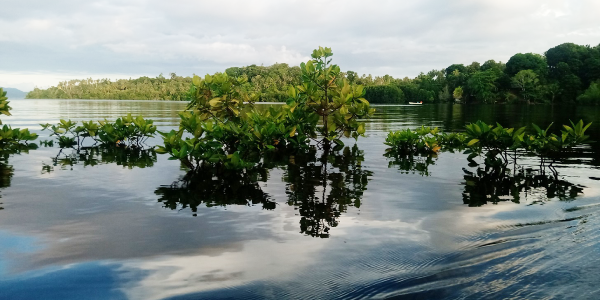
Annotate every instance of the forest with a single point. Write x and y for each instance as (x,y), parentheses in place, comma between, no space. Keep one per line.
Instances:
(567,73)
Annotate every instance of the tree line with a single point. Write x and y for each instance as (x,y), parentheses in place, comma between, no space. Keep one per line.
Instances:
(143,88)
(567,73)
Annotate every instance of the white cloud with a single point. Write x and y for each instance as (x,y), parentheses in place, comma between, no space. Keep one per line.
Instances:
(398,38)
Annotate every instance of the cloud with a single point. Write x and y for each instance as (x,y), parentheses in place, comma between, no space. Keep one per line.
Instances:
(128,38)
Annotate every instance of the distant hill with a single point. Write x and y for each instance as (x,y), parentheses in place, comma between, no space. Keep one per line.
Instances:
(13,93)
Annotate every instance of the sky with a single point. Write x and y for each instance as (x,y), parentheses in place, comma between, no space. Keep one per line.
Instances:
(44,42)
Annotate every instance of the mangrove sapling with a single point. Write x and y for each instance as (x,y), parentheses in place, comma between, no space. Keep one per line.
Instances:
(10,137)
(549,145)
(339,104)
(219,97)
(221,125)
(424,140)
(124,131)
(127,130)
(13,137)
(497,145)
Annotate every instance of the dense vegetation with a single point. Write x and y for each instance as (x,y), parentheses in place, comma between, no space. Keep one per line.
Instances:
(499,146)
(221,127)
(126,131)
(495,152)
(564,74)
(143,88)
(229,145)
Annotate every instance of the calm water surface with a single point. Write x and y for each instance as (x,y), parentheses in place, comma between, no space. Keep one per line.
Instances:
(101,224)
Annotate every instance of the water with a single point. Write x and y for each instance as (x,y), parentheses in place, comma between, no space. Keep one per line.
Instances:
(122,225)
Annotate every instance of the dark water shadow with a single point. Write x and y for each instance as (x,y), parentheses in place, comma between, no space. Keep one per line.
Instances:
(485,184)
(412,163)
(481,187)
(6,169)
(128,157)
(321,185)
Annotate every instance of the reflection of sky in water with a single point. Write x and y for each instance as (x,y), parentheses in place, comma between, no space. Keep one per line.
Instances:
(13,245)
(94,280)
(99,232)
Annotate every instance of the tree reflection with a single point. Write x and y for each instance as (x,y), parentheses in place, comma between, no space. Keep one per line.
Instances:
(320,184)
(411,164)
(481,187)
(214,186)
(6,173)
(323,188)
(128,157)
(7,170)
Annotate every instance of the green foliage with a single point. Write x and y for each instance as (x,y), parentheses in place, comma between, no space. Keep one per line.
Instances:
(127,130)
(574,68)
(481,135)
(222,128)
(526,81)
(444,95)
(270,83)
(497,145)
(458,93)
(563,74)
(423,140)
(323,91)
(219,96)
(527,61)
(425,87)
(4,108)
(481,84)
(143,88)
(384,94)
(494,142)
(12,137)
(591,95)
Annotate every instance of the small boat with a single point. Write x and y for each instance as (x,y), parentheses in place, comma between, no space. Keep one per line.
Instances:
(415,103)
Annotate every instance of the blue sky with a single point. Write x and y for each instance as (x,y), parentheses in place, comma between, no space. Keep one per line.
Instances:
(43,42)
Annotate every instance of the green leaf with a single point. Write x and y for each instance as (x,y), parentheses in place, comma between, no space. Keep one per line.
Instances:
(472,142)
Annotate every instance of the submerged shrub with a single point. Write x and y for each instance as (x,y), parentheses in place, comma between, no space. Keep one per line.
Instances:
(125,131)
(339,104)
(423,140)
(222,127)
(498,145)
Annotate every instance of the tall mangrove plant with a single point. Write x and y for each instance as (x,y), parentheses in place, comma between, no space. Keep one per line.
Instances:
(221,126)
(339,104)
